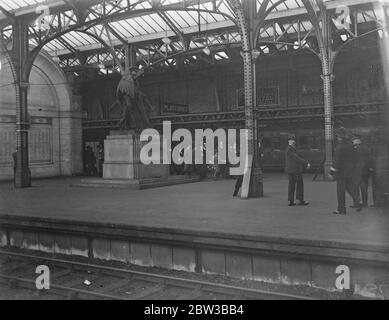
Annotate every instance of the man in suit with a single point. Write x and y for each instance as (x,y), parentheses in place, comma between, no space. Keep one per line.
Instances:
(294,165)
(344,169)
(363,168)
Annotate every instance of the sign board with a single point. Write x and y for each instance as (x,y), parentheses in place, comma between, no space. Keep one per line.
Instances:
(174,108)
(268,96)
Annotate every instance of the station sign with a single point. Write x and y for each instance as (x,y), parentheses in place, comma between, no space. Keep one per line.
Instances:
(174,108)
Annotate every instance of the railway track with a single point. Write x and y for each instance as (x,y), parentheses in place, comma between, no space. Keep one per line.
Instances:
(77,280)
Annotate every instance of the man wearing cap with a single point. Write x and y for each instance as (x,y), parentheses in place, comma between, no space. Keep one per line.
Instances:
(363,168)
(344,170)
(294,168)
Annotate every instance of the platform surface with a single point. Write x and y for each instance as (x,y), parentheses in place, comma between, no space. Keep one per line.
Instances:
(206,206)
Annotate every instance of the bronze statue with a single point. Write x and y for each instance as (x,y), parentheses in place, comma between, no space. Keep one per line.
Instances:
(132,104)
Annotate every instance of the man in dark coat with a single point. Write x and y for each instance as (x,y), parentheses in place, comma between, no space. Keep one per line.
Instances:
(363,168)
(294,165)
(100,159)
(344,170)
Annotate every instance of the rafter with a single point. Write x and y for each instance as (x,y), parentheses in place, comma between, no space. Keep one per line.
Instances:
(261,15)
(76,52)
(313,17)
(103,13)
(115,33)
(173,27)
(8,14)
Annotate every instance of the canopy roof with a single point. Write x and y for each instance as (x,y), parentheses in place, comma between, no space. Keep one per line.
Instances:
(162,28)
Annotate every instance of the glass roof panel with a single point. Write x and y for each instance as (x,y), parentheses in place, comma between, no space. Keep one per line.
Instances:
(189,16)
(178,19)
(307,25)
(18,4)
(155,22)
(121,29)
(143,5)
(142,25)
(127,24)
(6,5)
(225,9)
(73,40)
(284,5)
(150,26)
(171,1)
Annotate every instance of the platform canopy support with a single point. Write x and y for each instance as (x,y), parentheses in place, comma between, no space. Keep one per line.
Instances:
(322,27)
(247,18)
(20,61)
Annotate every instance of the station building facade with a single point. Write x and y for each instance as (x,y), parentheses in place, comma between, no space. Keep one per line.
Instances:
(68,113)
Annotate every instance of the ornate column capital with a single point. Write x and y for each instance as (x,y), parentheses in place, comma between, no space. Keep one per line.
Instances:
(330,75)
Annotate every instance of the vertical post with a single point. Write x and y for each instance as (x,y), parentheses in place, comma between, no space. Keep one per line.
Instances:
(256,133)
(326,57)
(252,187)
(20,52)
(327,78)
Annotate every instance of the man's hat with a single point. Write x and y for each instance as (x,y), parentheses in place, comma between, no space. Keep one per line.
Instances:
(291,137)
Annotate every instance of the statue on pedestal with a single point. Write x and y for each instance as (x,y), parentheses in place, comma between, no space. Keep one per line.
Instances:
(132,106)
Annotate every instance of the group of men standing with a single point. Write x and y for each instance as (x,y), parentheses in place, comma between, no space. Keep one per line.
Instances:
(352,168)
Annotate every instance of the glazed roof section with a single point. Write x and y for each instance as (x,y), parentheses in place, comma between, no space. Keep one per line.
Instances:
(147,26)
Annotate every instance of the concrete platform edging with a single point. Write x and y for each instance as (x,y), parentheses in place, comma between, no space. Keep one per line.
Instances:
(293,264)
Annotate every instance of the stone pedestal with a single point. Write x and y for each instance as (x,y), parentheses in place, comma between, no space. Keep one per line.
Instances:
(122,158)
(122,167)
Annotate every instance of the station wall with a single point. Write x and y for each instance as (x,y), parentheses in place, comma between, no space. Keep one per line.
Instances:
(282,81)
(55,134)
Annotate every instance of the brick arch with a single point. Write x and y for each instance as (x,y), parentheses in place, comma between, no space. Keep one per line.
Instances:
(50,98)
(56,78)
(45,72)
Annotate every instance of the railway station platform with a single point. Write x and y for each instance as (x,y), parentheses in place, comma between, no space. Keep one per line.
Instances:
(200,227)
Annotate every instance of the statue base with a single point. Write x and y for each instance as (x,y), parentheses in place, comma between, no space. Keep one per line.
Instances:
(122,158)
(123,169)
(136,184)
